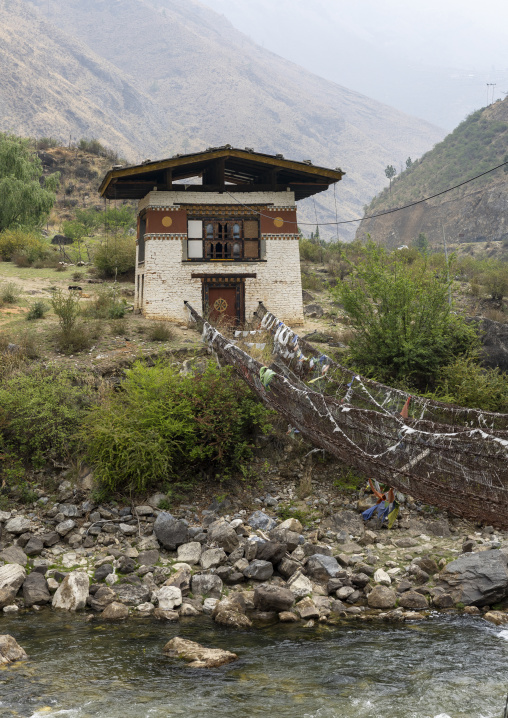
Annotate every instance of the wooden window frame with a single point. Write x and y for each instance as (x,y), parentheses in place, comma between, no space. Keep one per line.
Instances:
(220,248)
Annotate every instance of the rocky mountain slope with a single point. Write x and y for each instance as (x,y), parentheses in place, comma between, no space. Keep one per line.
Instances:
(155,77)
(472,216)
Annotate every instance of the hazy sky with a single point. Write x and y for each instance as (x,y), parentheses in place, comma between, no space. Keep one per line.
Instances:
(429,58)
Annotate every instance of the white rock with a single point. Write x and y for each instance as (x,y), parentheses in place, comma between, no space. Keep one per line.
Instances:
(145,608)
(52,584)
(5,515)
(72,592)
(71,559)
(235,523)
(18,525)
(169,597)
(111,579)
(212,558)
(299,585)
(189,552)
(291,525)
(394,571)
(131,552)
(382,577)
(128,530)
(64,527)
(344,592)
(12,575)
(209,605)
(11,609)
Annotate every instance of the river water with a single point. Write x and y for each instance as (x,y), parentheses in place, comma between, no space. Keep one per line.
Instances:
(447,666)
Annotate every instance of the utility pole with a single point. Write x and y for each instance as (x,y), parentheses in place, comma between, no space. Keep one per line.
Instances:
(490,84)
(447,268)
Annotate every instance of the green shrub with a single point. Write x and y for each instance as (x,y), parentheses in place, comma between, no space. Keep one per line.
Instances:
(164,427)
(160,332)
(9,293)
(67,309)
(404,327)
(37,310)
(16,242)
(466,383)
(116,255)
(40,414)
(106,305)
(496,282)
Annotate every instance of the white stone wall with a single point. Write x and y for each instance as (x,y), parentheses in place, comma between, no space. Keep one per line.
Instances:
(168,281)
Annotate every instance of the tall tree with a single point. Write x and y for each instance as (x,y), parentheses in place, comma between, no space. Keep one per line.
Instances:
(390,172)
(409,163)
(24,202)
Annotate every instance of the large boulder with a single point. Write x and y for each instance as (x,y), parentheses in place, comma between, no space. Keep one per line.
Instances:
(299,585)
(260,520)
(258,570)
(286,536)
(7,596)
(115,612)
(231,613)
(272,551)
(170,532)
(322,568)
(132,595)
(190,552)
(102,598)
(73,592)
(206,584)
(382,597)
(34,546)
(477,579)
(273,598)
(12,576)
(14,554)
(181,578)
(223,535)
(169,598)
(212,558)
(346,520)
(197,656)
(10,650)
(35,590)
(18,525)
(413,600)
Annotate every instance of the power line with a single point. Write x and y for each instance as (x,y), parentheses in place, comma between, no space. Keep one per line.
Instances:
(379,214)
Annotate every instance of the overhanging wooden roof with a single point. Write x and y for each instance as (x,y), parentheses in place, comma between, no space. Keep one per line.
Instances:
(222,169)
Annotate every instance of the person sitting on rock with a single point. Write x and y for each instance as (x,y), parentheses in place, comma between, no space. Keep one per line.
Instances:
(384,506)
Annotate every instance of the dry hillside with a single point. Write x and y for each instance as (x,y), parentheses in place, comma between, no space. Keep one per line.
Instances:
(151,78)
(473,217)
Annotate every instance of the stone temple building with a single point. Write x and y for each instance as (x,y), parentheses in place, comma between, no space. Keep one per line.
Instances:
(218,229)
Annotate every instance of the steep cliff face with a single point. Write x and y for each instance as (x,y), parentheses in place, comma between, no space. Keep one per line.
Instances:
(471,216)
(156,77)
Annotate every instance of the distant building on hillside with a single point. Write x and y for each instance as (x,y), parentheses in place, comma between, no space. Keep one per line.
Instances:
(218,229)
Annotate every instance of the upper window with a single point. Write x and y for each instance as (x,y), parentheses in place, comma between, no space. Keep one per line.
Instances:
(223,239)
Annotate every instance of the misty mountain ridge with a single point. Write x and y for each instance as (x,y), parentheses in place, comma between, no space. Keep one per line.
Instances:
(85,69)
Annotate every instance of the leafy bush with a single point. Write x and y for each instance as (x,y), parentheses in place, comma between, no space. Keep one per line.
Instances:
(160,332)
(496,282)
(106,305)
(9,293)
(405,330)
(17,243)
(40,414)
(162,427)
(37,310)
(66,308)
(466,383)
(117,255)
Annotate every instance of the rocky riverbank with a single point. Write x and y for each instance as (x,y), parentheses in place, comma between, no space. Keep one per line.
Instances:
(246,566)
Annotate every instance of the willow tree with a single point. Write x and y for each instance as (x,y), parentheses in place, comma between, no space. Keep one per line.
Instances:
(24,200)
